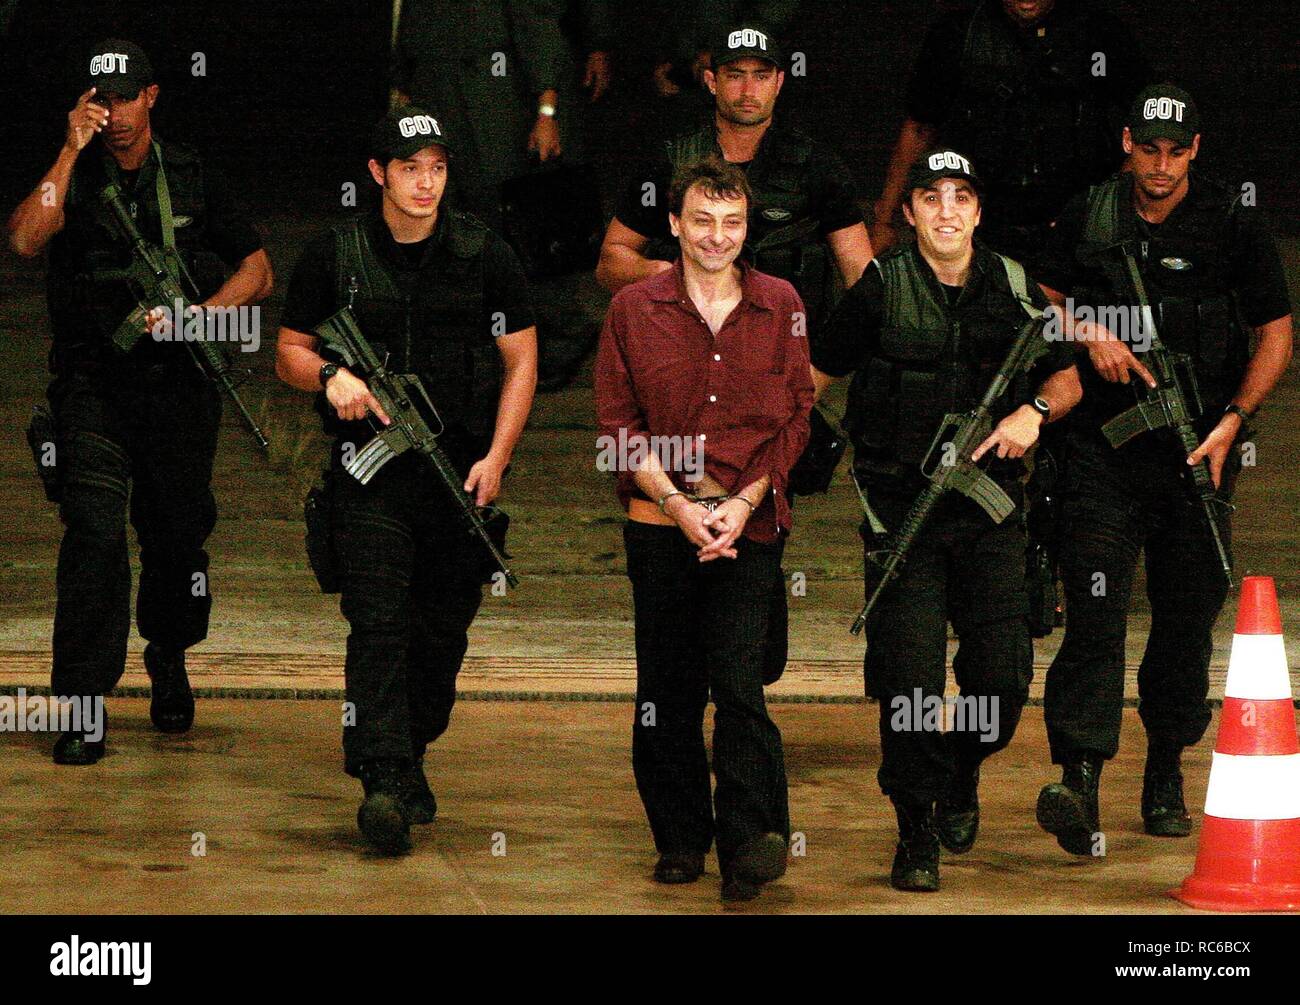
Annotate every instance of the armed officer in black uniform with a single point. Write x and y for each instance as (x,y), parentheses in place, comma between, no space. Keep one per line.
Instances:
(924,332)
(1034,91)
(443,297)
(804,214)
(1212,276)
(138,426)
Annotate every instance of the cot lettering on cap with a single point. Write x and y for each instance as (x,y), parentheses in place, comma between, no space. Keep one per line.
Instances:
(949,159)
(108,62)
(1163,108)
(423,125)
(748,38)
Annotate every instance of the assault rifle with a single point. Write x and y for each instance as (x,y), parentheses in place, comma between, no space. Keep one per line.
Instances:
(948,466)
(162,280)
(403,398)
(1166,407)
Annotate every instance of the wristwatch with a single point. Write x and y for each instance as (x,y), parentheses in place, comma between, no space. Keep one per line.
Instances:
(1239,412)
(327,371)
(1041,406)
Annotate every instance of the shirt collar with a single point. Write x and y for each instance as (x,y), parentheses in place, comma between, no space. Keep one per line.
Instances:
(670,287)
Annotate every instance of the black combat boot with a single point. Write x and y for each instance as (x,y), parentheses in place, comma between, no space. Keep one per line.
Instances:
(1068,809)
(1164,814)
(382,816)
(417,798)
(75,747)
(957,813)
(172,704)
(916,861)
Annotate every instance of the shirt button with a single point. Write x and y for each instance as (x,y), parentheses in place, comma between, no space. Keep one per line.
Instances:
(713,397)
(703,436)
(717,358)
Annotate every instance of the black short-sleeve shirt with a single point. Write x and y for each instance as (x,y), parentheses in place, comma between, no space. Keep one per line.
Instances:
(1256,273)
(313,286)
(643,205)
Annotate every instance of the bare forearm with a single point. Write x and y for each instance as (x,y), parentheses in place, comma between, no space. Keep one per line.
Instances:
(298,366)
(40,216)
(1062,391)
(651,478)
(621,266)
(251,282)
(1267,365)
(913,138)
(512,410)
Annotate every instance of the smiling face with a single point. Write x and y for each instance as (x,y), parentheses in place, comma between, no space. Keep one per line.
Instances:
(1160,166)
(711,231)
(414,185)
(945,216)
(745,90)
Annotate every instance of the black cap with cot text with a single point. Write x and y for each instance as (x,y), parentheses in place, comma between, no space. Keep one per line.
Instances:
(116,66)
(1163,111)
(941,163)
(404,132)
(746,43)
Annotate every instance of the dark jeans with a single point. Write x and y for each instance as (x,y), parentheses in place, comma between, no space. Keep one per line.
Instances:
(701,628)
(147,435)
(410,590)
(1115,506)
(969,570)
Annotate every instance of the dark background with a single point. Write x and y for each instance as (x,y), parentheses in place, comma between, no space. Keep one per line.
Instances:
(291,88)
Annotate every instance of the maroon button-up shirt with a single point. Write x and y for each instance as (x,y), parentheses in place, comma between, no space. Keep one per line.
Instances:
(741,397)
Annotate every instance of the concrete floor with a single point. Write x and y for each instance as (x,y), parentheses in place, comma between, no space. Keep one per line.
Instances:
(261,781)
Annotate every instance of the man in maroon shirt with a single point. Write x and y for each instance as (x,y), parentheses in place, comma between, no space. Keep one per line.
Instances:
(703,392)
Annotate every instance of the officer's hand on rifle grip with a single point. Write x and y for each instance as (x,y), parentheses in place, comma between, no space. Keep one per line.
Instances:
(1215,447)
(351,398)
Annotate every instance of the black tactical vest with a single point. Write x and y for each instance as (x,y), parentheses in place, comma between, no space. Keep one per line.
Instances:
(932,360)
(428,321)
(782,238)
(1028,114)
(86,303)
(1184,264)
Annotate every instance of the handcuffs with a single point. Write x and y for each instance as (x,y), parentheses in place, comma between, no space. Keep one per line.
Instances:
(710,503)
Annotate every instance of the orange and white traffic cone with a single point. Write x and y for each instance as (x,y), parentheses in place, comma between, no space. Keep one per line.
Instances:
(1249,856)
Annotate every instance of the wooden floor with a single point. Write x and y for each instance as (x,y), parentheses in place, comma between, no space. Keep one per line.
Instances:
(548,783)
